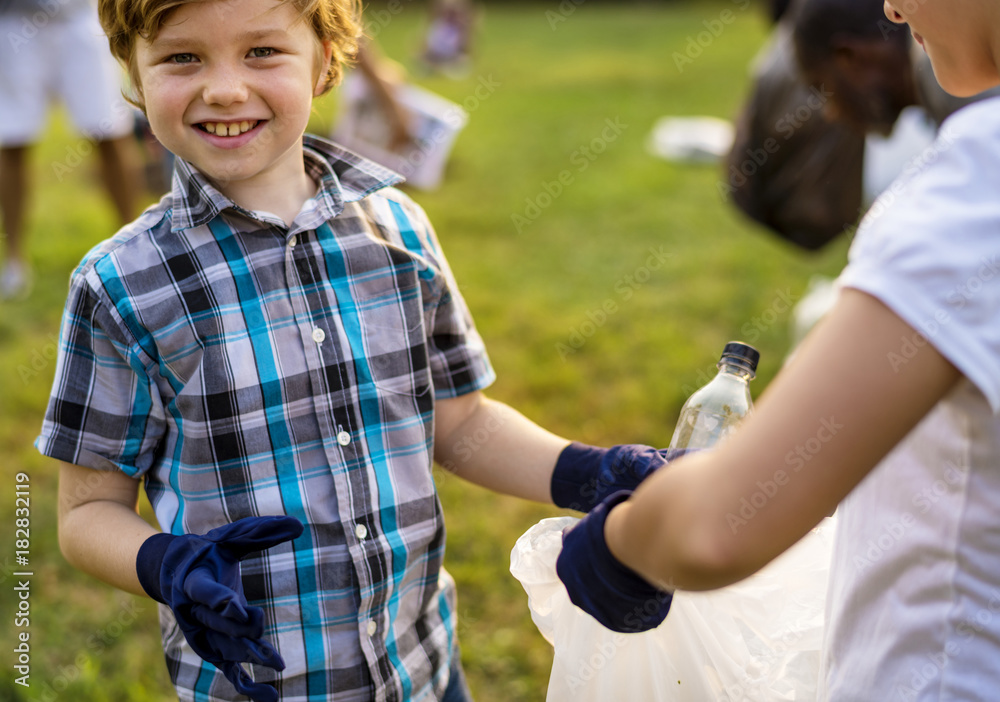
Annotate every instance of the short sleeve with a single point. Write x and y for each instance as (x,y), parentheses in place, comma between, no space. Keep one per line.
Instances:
(104,411)
(458,359)
(929,248)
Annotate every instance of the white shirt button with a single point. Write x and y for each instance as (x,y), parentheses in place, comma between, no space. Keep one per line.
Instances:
(318,335)
(372,627)
(292,241)
(361,531)
(343,438)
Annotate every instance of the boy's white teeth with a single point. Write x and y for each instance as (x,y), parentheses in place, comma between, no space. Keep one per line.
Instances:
(228,129)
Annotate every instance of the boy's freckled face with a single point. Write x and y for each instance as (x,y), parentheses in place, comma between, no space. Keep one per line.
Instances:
(228,86)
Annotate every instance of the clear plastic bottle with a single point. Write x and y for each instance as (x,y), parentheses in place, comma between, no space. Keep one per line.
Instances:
(715,409)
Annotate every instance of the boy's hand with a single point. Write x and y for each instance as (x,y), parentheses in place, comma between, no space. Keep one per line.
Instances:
(198,577)
(600,584)
(585,475)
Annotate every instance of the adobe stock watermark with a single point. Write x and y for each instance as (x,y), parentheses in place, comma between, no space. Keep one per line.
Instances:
(581,158)
(455,117)
(39,360)
(87,489)
(468,445)
(956,299)
(714,28)
(589,667)
(624,288)
(565,9)
(785,126)
(919,163)
(884,541)
(782,303)
(705,376)
(30,25)
(930,668)
(377,19)
(796,459)
(486,86)
(84,147)
(760,687)
(953,478)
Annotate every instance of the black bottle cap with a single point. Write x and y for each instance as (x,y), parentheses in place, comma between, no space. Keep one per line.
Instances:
(742,355)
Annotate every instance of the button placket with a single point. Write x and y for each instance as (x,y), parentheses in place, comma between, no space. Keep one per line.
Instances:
(318,353)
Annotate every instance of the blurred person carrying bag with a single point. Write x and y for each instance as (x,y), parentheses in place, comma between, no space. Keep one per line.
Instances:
(805,177)
(791,169)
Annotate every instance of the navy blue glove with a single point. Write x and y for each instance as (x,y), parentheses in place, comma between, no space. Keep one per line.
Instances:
(585,475)
(198,577)
(600,585)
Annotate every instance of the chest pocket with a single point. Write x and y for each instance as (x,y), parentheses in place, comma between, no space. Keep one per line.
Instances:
(391,302)
(394,337)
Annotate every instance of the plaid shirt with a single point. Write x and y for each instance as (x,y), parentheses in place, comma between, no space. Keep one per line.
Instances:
(242,367)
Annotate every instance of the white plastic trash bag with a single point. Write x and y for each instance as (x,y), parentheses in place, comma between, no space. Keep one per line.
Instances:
(755,641)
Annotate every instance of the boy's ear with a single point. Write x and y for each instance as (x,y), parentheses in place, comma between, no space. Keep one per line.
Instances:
(326,53)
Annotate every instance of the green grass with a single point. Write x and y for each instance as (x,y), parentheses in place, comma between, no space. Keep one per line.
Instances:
(554,89)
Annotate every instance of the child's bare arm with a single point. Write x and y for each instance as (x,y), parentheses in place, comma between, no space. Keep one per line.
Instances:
(840,405)
(493,445)
(100,530)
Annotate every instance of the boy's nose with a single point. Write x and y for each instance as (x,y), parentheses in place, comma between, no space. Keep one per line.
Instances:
(225,86)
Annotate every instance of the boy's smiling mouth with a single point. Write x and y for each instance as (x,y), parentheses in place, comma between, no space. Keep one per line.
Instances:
(227,129)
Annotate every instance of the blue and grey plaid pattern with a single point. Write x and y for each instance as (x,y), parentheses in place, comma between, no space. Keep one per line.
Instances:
(242,367)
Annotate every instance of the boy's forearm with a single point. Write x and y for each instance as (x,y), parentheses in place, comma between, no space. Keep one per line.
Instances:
(500,449)
(102,539)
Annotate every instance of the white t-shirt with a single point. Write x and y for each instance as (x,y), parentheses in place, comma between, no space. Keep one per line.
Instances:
(914,601)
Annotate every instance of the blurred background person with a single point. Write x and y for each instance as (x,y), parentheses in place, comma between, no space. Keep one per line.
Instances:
(386,117)
(56,50)
(812,145)
(448,43)
(862,61)
(384,78)
(791,169)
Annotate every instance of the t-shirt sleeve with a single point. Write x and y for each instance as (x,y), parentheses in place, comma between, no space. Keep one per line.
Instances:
(104,411)
(929,249)
(459,362)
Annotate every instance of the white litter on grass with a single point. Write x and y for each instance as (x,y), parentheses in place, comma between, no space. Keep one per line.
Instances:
(691,139)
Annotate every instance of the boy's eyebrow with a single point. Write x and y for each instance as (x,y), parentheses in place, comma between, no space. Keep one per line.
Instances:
(258,34)
(161,42)
(167,42)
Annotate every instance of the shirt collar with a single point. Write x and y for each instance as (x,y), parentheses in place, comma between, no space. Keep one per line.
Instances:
(343,177)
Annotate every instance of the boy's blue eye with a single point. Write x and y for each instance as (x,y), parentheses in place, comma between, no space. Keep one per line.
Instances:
(182,58)
(261,52)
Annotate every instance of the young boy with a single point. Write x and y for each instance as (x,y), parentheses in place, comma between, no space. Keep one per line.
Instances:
(279,351)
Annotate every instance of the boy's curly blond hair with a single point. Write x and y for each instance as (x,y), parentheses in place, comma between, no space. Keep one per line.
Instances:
(124,21)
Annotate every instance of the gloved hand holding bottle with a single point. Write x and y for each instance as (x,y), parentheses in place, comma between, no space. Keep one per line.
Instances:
(619,598)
